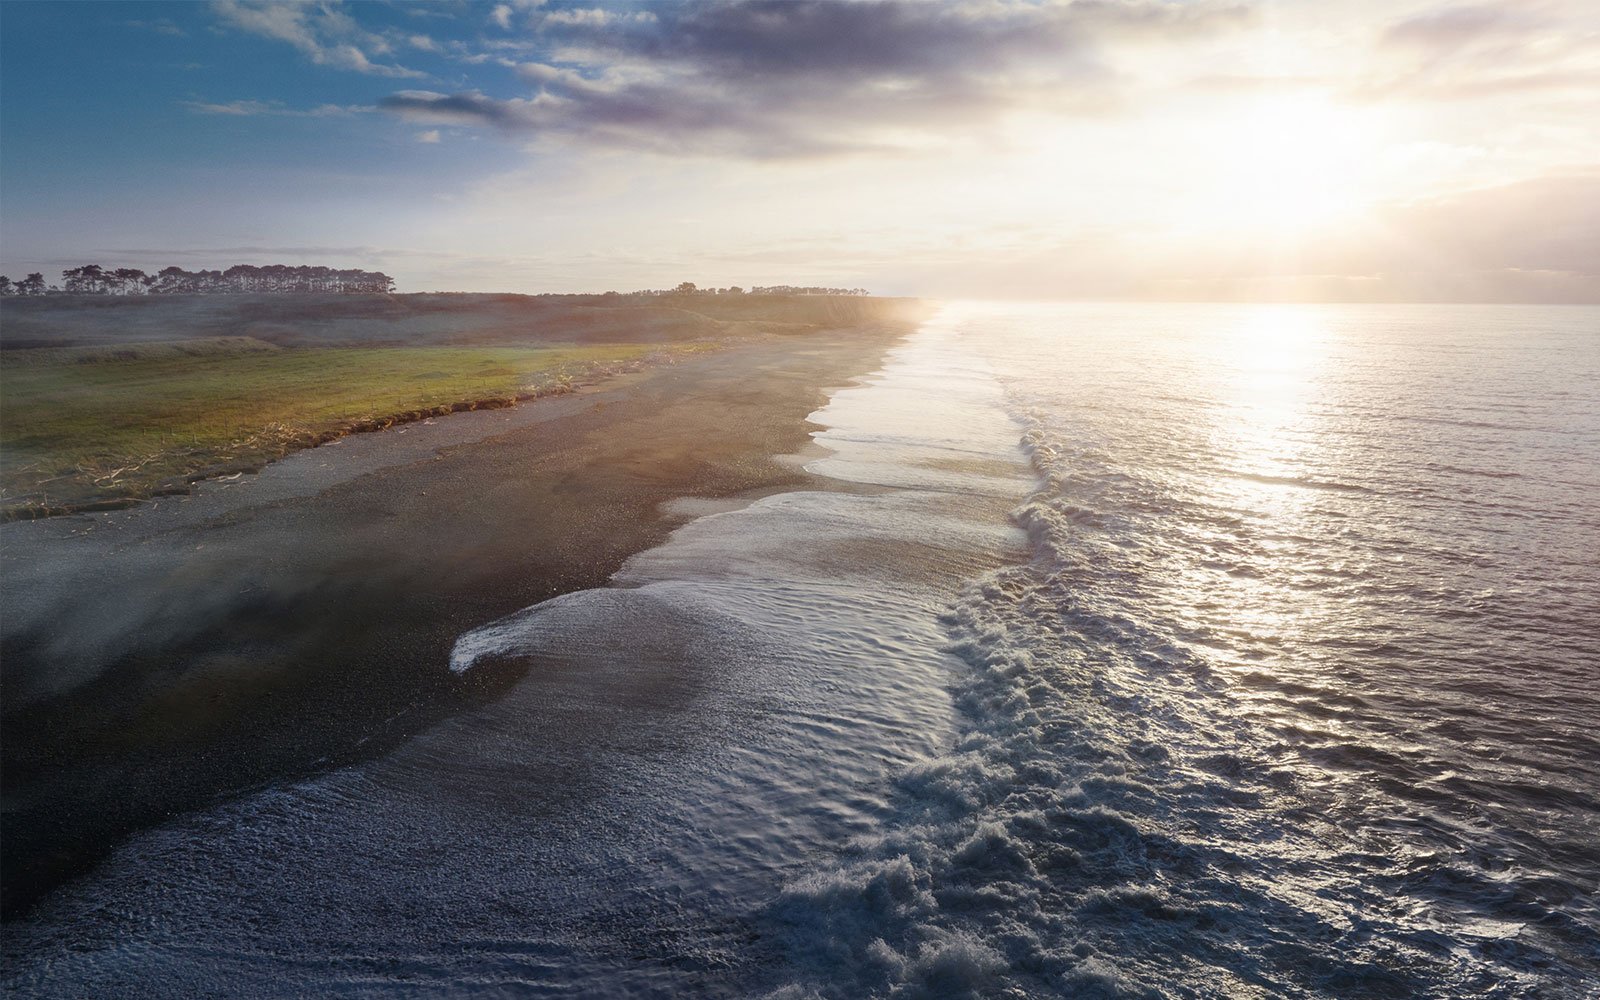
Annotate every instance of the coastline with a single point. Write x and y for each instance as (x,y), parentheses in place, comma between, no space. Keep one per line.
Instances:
(162,658)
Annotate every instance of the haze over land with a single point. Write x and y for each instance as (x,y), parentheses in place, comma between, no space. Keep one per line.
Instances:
(1352,150)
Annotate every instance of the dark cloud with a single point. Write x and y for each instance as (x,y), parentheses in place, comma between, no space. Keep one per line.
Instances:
(471,108)
(785,78)
(762,41)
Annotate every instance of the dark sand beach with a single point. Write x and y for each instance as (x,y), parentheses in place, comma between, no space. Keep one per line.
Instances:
(162,658)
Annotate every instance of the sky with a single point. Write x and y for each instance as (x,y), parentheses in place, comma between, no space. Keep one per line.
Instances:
(1093,149)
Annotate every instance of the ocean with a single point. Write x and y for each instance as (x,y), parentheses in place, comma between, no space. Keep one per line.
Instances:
(1120,651)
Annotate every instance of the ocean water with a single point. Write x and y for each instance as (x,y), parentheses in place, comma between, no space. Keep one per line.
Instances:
(1120,651)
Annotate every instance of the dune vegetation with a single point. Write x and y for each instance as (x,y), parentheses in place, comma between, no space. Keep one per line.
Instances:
(96,427)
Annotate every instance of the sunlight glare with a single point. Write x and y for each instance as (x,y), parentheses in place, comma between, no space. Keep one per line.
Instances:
(1273,363)
(1286,163)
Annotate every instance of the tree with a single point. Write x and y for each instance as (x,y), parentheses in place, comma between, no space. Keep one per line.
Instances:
(89,279)
(6,287)
(686,288)
(129,281)
(275,279)
(172,280)
(33,284)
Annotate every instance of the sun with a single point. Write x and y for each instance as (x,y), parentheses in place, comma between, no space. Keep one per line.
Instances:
(1284,164)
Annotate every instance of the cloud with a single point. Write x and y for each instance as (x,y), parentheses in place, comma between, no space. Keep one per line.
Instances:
(429,137)
(1476,51)
(1545,224)
(594,17)
(500,16)
(637,118)
(273,108)
(470,108)
(1453,27)
(757,41)
(1527,241)
(1259,83)
(766,79)
(322,32)
(161,26)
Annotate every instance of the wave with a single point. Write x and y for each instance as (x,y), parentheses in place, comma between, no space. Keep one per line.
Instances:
(1304,482)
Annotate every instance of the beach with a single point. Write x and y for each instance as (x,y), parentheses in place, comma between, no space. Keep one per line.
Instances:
(165,657)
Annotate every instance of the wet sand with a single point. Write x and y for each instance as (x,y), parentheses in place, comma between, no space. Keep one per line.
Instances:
(160,659)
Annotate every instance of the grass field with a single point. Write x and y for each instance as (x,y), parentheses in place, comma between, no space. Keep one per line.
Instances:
(85,427)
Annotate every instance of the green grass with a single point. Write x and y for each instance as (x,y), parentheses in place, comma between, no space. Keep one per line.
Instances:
(89,426)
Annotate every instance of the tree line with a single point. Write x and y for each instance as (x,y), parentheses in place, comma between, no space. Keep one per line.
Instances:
(690,288)
(273,279)
(93,279)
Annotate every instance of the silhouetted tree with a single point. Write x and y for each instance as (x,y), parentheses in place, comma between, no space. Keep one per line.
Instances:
(89,279)
(171,280)
(129,281)
(805,290)
(93,279)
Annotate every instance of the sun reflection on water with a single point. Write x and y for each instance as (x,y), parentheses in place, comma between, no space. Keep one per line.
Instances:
(1269,474)
(1268,380)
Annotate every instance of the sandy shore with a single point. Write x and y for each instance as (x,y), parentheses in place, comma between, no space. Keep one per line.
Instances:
(161,658)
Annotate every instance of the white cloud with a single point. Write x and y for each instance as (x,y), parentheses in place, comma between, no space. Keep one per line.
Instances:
(429,137)
(322,32)
(274,108)
(595,17)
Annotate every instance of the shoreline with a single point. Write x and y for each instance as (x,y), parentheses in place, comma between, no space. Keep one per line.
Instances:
(169,656)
